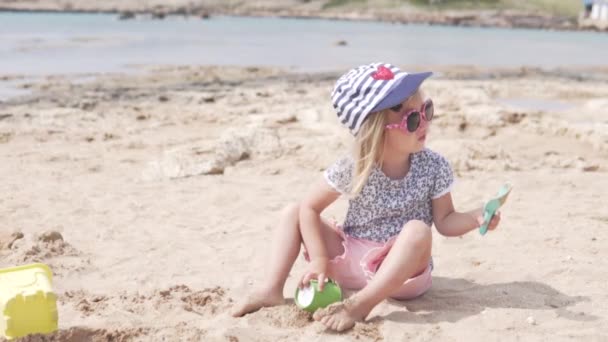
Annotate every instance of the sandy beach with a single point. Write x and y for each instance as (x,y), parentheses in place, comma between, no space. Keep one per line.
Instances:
(153,197)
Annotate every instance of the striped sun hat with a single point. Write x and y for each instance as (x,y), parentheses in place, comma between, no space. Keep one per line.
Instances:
(371,88)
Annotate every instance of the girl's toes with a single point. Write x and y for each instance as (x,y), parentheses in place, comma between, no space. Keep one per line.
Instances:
(336,325)
(328,321)
(319,314)
(345,325)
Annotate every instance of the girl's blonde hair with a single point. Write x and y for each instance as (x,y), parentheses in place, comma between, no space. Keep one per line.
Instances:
(369,148)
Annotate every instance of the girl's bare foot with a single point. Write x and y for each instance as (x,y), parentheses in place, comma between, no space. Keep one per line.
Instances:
(257,300)
(342,316)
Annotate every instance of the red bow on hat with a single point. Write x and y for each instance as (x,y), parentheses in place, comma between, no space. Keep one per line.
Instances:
(383,73)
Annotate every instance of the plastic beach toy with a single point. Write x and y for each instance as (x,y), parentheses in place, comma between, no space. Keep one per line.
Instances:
(27,302)
(492,206)
(311,299)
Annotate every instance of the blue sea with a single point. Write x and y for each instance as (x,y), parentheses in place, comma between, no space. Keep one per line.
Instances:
(62,43)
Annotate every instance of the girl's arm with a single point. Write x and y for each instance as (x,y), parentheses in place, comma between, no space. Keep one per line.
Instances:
(319,197)
(449,222)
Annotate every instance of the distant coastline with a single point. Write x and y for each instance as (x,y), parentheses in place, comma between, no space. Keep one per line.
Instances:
(465,18)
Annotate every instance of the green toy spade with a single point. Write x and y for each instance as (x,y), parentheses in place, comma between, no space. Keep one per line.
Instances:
(492,206)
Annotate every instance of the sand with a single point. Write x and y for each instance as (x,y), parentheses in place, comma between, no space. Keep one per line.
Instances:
(153,197)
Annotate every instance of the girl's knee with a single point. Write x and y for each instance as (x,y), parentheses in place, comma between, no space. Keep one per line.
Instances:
(291,210)
(290,216)
(417,233)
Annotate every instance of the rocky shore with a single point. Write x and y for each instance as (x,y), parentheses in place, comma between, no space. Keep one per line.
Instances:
(405,14)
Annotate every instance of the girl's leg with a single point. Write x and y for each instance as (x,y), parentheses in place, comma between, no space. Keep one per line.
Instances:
(409,256)
(284,252)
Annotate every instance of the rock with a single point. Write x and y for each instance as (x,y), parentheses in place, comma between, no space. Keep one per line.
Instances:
(238,144)
(159,14)
(341,43)
(287,118)
(462,126)
(182,11)
(109,136)
(513,117)
(233,146)
(87,106)
(531,320)
(51,236)
(14,237)
(208,99)
(7,241)
(233,149)
(182,163)
(591,168)
(126,15)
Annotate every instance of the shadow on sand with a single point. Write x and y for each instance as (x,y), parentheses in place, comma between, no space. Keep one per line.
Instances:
(451,300)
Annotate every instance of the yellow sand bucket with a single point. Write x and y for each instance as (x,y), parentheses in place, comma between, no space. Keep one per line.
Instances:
(27,302)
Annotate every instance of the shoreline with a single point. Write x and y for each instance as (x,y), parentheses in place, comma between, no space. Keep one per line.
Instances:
(460,18)
(458,72)
(27,87)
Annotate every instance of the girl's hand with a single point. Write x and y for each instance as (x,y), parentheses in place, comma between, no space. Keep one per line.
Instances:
(493,222)
(317,269)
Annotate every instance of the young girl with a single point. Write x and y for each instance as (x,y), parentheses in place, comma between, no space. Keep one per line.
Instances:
(397,189)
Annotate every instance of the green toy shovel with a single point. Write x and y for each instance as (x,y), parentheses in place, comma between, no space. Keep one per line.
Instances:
(492,206)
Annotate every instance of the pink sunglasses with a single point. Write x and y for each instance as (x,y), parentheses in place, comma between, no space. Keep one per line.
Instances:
(411,120)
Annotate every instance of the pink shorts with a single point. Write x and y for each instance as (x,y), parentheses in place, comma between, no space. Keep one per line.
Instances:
(360,261)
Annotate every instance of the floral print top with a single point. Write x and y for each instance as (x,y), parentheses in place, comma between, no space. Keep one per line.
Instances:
(385,205)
